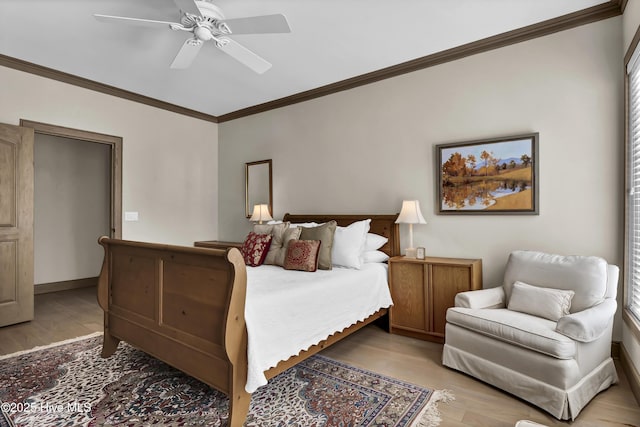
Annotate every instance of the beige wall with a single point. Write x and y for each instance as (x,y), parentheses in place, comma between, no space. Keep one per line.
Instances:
(71,207)
(630,22)
(169,160)
(630,25)
(367,149)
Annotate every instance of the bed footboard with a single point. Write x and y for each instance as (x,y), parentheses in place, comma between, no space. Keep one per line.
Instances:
(182,305)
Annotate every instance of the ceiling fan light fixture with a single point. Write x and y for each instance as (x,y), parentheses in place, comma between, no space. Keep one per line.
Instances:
(207,22)
(203,33)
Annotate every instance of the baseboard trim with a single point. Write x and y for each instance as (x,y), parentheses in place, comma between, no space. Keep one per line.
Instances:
(65,285)
(631,372)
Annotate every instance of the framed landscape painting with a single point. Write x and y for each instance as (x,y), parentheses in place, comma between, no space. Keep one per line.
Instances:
(491,176)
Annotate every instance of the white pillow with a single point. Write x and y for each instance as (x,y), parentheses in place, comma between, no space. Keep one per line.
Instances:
(374,256)
(549,303)
(304,224)
(374,242)
(348,243)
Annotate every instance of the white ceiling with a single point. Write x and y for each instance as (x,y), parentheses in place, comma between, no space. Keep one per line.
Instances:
(331,40)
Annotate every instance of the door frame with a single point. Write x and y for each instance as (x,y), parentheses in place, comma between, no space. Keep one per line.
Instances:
(116,162)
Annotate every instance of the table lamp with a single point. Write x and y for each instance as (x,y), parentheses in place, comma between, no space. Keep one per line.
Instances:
(260,213)
(410,214)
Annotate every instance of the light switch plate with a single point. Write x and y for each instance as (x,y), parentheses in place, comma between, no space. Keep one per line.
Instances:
(131,216)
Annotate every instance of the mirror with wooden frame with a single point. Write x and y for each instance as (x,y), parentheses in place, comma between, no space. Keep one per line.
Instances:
(258,186)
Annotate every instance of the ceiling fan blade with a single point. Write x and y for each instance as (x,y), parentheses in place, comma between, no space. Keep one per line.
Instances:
(244,55)
(258,24)
(133,21)
(187,53)
(188,6)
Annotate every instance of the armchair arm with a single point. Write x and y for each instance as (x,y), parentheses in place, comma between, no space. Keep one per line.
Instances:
(481,298)
(588,325)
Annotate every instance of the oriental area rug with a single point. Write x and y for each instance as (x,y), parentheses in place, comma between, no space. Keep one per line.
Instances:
(69,384)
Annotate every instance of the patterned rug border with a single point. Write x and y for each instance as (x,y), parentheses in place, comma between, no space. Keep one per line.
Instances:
(428,416)
(5,421)
(47,346)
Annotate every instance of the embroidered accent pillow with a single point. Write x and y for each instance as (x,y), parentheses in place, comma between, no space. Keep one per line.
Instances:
(302,255)
(288,235)
(255,248)
(281,234)
(549,303)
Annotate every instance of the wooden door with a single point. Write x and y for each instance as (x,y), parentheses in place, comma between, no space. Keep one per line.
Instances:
(16,224)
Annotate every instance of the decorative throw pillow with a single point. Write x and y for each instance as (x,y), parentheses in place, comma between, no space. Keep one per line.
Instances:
(280,253)
(255,248)
(302,255)
(281,233)
(263,228)
(549,303)
(324,233)
(276,231)
(348,244)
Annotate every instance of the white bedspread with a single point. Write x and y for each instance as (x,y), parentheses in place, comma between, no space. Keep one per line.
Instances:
(289,311)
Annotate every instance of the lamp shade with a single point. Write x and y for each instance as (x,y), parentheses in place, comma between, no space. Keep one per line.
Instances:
(410,213)
(260,213)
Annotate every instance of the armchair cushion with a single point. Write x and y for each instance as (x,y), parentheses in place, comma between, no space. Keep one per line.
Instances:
(585,275)
(549,303)
(520,329)
(588,325)
(481,298)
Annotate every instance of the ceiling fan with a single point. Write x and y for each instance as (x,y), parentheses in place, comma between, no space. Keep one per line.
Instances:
(206,22)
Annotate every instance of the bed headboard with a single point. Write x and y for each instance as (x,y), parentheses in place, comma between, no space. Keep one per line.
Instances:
(384,225)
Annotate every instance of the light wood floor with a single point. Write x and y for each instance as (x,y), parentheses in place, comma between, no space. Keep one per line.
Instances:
(69,314)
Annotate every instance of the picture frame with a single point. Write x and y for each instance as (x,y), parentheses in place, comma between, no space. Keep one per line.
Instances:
(420,253)
(488,177)
(258,190)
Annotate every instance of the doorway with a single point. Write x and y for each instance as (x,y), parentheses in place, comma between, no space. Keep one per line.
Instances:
(64,222)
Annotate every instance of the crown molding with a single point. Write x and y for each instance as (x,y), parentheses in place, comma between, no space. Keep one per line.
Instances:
(572,20)
(623,5)
(582,17)
(50,73)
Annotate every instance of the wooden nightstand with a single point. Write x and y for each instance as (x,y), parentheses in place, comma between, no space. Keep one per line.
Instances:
(423,289)
(217,244)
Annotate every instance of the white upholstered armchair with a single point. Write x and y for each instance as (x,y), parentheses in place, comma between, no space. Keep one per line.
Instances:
(544,335)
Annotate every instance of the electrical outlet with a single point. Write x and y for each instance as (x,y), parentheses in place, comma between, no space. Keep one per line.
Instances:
(131,216)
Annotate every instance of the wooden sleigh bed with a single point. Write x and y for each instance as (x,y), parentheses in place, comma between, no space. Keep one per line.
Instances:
(185,306)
